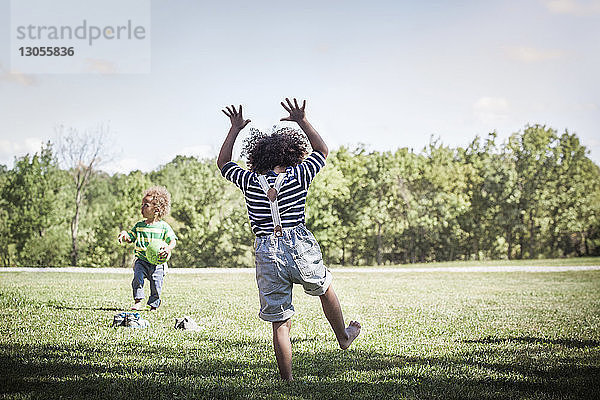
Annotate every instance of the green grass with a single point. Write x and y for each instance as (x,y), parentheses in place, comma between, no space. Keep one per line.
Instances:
(556,262)
(426,335)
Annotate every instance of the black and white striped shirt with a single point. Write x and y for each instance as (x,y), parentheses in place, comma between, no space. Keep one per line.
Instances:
(291,198)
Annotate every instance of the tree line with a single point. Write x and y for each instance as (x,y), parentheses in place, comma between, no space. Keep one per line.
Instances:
(535,195)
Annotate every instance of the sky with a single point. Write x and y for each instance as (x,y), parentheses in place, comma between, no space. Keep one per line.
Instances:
(382,74)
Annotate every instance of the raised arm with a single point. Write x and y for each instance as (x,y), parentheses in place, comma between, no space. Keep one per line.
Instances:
(298,115)
(237,124)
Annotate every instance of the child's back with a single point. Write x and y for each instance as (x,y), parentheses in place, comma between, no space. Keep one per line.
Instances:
(286,252)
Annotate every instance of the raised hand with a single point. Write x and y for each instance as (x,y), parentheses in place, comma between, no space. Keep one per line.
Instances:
(236,118)
(237,124)
(296,113)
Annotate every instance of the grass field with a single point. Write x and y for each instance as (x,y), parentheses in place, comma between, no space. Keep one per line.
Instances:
(554,262)
(471,335)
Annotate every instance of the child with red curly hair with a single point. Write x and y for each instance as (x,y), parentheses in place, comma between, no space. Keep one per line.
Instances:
(156,204)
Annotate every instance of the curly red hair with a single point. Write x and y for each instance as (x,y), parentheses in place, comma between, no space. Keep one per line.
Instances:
(161,199)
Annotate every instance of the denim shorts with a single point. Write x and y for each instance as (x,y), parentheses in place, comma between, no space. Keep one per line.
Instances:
(294,257)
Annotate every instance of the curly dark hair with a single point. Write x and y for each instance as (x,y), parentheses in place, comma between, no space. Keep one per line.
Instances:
(285,147)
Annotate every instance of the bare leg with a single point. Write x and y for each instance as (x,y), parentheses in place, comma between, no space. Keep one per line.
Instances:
(333,312)
(283,348)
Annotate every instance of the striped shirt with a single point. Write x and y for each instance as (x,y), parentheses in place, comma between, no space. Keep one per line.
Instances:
(291,198)
(143,233)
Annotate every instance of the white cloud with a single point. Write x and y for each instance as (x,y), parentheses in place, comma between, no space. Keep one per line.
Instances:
(490,110)
(531,55)
(573,7)
(586,107)
(27,145)
(126,165)
(9,149)
(100,66)
(201,151)
(323,48)
(16,77)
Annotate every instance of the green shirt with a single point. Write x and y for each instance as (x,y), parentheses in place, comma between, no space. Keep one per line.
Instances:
(143,233)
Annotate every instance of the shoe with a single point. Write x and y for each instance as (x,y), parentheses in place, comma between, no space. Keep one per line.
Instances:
(153,308)
(137,306)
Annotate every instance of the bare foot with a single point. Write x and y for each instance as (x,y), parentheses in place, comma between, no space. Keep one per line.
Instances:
(353,330)
(137,305)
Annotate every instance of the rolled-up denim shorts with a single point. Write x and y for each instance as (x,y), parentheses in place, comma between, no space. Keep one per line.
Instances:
(294,257)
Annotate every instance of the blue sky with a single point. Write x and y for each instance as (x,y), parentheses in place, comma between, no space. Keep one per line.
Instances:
(386,74)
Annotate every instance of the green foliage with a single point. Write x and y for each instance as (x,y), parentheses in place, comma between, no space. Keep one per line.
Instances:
(35,196)
(326,211)
(112,205)
(535,196)
(5,256)
(209,215)
(52,248)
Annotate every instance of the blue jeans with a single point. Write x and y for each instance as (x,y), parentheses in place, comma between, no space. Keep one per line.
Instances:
(155,275)
(295,257)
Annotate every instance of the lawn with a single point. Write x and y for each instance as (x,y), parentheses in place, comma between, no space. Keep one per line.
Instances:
(457,335)
(541,262)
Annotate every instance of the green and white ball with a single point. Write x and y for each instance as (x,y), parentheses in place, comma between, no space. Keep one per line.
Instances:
(152,251)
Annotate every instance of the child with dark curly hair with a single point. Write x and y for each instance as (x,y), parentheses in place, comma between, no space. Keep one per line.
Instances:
(156,204)
(286,252)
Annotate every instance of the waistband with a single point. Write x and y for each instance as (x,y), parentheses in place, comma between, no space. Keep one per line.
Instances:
(285,232)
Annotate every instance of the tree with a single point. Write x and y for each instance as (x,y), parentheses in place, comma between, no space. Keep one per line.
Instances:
(493,197)
(113,204)
(532,154)
(327,198)
(5,256)
(209,215)
(572,196)
(81,153)
(34,195)
(352,221)
(536,195)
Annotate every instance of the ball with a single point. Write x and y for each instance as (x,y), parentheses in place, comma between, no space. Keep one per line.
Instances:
(152,252)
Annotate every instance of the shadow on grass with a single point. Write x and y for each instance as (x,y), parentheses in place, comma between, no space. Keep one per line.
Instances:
(570,343)
(16,298)
(62,307)
(158,372)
